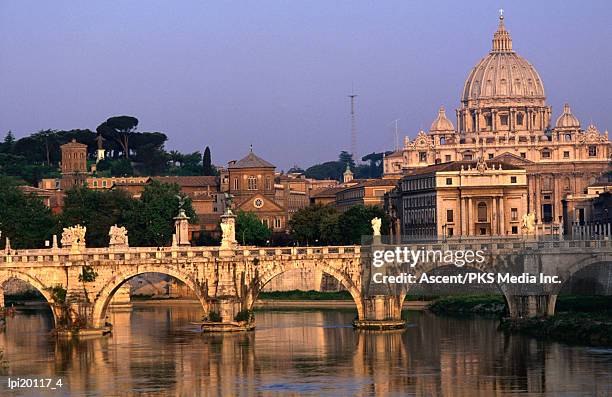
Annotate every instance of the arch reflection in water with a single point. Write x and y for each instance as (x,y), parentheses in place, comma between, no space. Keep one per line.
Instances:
(155,350)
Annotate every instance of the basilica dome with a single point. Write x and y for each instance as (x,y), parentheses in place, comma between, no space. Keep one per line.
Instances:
(503,75)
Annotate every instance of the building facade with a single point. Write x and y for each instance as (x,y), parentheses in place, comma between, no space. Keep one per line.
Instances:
(504,117)
(461,198)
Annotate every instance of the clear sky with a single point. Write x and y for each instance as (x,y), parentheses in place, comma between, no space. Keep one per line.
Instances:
(276,74)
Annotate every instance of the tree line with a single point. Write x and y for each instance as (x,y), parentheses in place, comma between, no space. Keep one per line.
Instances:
(129,152)
(149,220)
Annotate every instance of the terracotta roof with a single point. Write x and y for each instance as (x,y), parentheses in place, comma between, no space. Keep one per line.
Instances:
(197,180)
(329,192)
(251,160)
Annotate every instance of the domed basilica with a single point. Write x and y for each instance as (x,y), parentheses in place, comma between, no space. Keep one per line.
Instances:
(504,119)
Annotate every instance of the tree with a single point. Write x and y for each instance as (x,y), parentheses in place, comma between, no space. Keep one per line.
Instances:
(23,217)
(118,129)
(98,211)
(9,141)
(250,230)
(346,158)
(356,222)
(306,224)
(328,170)
(207,167)
(153,221)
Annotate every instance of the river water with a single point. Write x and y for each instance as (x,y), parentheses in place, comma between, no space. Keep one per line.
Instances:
(154,351)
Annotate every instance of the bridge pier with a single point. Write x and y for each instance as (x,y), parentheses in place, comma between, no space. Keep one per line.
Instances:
(381,312)
(524,306)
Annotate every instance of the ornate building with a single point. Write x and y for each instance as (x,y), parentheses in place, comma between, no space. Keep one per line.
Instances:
(504,117)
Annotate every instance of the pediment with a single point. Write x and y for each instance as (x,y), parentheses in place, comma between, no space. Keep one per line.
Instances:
(259,202)
(511,158)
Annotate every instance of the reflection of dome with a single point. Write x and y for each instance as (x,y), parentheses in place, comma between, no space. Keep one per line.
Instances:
(567,119)
(442,123)
(503,73)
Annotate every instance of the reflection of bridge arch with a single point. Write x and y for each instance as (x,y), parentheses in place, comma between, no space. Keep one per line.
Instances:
(279,268)
(105,296)
(32,281)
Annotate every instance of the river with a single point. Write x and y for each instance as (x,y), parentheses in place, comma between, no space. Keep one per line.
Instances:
(155,351)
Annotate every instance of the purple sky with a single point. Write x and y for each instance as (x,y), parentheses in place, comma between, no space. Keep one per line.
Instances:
(276,73)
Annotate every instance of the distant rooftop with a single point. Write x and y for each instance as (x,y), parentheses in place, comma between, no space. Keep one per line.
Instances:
(251,160)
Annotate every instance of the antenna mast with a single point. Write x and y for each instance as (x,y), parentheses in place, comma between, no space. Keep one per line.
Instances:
(353,97)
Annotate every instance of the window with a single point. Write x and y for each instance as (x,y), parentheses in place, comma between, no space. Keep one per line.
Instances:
(512,179)
(437,161)
(489,120)
(252,182)
(490,156)
(447,158)
(503,119)
(568,137)
(235,183)
(482,212)
(95,183)
(449,216)
(450,232)
(514,229)
(449,181)
(277,223)
(519,119)
(103,183)
(422,157)
(566,155)
(467,157)
(483,231)
(514,214)
(546,154)
(547,213)
(268,183)
(592,151)
(523,155)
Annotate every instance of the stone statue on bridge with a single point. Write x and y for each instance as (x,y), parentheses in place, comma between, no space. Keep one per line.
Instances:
(118,236)
(73,237)
(376,224)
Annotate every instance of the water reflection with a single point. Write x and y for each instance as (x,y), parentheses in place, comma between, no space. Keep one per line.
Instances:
(154,350)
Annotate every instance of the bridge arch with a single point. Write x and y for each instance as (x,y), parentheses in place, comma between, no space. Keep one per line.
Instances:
(580,265)
(32,281)
(104,297)
(280,268)
(483,267)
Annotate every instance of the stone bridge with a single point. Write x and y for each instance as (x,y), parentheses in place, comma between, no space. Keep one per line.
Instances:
(79,284)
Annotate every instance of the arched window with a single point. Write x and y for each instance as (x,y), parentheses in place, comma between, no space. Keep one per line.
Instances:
(568,137)
(482,212)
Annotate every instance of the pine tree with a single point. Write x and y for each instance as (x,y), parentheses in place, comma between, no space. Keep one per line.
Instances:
(9,142)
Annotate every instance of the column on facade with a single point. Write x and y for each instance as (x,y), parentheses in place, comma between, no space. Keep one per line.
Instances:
(529,193)
(511,116)
(502,217)
(462,216)
(536,208)
(494,217)
(470,218)
(493,119)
